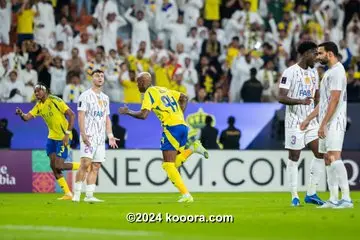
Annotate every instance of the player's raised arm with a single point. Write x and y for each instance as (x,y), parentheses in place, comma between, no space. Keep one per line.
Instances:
(26,117)
(283,97)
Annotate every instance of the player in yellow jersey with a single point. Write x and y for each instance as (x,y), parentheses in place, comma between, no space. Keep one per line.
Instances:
(54,112)
(169,107)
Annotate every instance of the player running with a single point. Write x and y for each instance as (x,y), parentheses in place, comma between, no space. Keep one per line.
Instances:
(54,112)
(169,107)
(94,121)
(332,118)
(298,87)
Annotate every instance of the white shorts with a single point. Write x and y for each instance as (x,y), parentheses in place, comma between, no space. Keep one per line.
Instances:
(295,139)
(332,142)
(96,152)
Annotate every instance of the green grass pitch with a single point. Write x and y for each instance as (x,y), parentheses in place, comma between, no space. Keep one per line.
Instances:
(257,216)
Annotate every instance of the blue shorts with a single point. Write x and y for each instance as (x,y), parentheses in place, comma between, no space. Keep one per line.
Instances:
(56,146)
(174,137)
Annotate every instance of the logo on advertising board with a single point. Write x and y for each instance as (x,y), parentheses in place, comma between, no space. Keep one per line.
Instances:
(224,171)
(15,171)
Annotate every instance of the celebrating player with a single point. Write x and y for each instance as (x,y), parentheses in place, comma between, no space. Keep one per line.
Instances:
(298,87)
(54,112)
(94,120)
(169,107)
(332,118)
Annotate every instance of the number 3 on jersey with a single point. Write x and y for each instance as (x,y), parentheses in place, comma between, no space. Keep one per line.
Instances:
(170,102)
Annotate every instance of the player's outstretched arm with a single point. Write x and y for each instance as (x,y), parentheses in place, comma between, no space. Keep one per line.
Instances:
(284,99)
(142,114)
(183,101)
(25,117)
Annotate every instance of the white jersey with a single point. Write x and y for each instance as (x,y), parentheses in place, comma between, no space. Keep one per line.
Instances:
(301,83)
(334,79)
(96,108)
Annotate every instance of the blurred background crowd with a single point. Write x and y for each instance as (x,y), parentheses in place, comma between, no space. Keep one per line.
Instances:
(212,50)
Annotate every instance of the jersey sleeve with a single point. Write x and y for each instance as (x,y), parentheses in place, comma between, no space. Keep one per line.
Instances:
(81,106)
(63,107)
(317,80)
(149,100)
(337,79)
(175,94)
(285,81)
(34,111)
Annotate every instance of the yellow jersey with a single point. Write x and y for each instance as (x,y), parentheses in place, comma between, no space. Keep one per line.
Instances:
(53,112)
(212,9)
(131,92)
(25,22)
(165,104)
(161,76)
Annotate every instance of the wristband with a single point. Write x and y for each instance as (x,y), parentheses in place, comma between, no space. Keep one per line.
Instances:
(67,132)
(110,135)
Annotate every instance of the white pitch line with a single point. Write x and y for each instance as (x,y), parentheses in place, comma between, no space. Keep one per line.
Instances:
(79,230)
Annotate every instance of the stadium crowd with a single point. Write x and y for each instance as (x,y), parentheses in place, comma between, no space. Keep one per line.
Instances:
(213,50)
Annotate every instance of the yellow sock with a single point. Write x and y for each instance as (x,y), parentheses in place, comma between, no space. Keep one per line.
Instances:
(182,157)
(75,165)
(63,184)
(175,177)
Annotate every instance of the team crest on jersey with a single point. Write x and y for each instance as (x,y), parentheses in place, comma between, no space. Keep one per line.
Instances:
(307,80)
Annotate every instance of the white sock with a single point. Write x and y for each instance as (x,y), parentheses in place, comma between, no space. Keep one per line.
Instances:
(332,184)
(316,169)
(90,190)
(292,177)
(342,176)
(77,188)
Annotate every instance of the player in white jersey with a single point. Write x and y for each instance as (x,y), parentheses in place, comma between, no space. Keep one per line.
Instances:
(298,89)
(332,118)
(94,123)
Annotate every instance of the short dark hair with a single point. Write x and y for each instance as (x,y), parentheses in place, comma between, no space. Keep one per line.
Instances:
(236,39)
(96,71)
(330,47)
(208,120)
(231,120)
(253,71)
(306,46)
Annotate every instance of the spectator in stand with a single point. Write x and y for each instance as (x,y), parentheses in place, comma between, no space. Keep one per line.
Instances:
(211,12)
(59,51)
(230,137)
(131,90)
(190,78)
(208,75)
(209,134)
(110,29)
(177,32)
(97,63)
(5,17)
(252,89)
(140,31)
(94,31)
(177,82)
(73,90)
(5,134)
(4,68)
(25,22)
(353,87)
(103,8)
(193,44)
(75,63)
(212,48)
(219,96)
(13,89)
(84,46)
(201,96)
(267,77)
(191,11)
(30,78)
(44,63)
(58,77)
(80,4)
(64,33)
(44,31)
(18,57)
